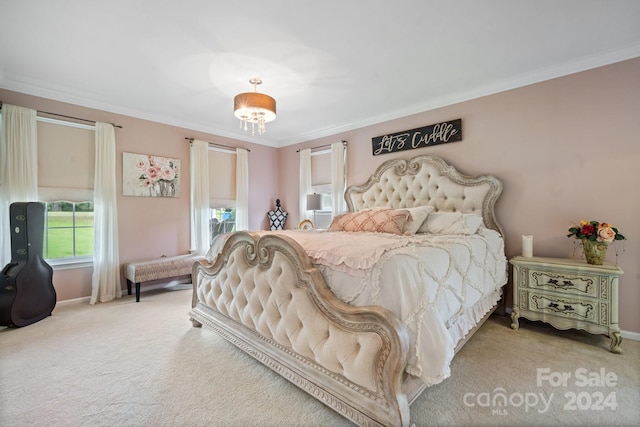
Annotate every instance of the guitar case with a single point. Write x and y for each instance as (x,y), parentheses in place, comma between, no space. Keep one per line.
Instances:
(27,294)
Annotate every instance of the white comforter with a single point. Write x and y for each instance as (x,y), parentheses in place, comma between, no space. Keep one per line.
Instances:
(439,286)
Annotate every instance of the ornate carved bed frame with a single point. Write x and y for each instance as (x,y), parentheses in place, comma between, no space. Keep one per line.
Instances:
(265,296)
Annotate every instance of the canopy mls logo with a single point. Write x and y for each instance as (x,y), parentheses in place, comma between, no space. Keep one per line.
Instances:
(597,395)
(499,401)
(582,378)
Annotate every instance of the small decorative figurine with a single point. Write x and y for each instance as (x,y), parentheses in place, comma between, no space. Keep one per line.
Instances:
(305,224)
(277,217)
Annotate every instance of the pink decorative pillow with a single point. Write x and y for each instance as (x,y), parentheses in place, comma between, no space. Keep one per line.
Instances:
(372,220)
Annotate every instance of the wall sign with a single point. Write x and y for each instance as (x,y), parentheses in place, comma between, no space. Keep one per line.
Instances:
(439,133)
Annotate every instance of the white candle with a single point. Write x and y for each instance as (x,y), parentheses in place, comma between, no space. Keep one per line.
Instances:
(527,246)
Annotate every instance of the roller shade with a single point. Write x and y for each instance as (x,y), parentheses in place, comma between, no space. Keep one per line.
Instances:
(321,168)
(222,179)
(66,162)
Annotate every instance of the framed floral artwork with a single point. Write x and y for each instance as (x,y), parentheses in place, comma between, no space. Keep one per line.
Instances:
(145,175)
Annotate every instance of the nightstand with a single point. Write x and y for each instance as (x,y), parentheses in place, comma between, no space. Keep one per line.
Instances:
(567,294)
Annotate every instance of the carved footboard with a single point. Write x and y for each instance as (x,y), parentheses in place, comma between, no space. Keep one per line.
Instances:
(265,296)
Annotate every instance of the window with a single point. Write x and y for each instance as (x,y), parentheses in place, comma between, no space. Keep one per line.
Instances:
(66,161)
(222,191)
(323,217)
(326,171)
(69,230)
(321,184)
(221,220)
(325,191)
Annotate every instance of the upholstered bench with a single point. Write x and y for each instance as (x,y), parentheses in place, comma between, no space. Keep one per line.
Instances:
(159,268)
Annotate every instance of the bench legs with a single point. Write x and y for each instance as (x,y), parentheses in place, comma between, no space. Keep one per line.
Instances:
(137,289)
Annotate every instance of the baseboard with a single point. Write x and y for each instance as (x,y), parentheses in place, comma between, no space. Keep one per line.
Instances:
(74,301)
(143,289)
(633,336)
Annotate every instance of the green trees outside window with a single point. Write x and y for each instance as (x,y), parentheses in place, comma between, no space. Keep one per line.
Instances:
(68,230)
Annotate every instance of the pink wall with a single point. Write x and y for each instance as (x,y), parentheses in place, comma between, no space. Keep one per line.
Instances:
(566,149)
(151,227)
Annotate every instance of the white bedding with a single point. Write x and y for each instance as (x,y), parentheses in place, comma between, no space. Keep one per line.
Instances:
(431,282)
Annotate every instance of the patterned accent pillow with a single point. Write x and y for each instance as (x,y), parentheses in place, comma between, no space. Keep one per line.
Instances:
(372,220)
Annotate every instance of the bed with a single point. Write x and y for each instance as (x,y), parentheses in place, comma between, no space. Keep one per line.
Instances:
(368,314)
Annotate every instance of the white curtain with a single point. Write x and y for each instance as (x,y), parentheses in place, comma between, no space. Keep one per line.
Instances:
(242,189)
(338,177)
(305,182)
(18,167)
(105,281)
(199,159)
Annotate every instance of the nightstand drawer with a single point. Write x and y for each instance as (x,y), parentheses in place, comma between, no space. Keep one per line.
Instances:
(585,310)
(581,285)
(567,294)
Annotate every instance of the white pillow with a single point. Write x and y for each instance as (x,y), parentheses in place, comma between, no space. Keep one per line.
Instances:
(451,223)
(473,222)
(418,216)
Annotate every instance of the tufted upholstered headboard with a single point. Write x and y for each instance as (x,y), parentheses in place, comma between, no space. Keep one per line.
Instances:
(427,181)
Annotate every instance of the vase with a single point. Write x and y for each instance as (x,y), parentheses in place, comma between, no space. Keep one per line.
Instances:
(165,188)
(594,251)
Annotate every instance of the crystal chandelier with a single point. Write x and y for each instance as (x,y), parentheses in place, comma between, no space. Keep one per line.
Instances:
(255,108)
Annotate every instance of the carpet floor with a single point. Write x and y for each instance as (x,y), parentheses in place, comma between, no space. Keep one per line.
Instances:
(124,363)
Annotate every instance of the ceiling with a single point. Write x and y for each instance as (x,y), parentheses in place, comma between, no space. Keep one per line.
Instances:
(332,65)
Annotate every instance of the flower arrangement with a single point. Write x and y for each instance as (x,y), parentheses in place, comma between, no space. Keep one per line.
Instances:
(596,232)
(158,173)
(154,168)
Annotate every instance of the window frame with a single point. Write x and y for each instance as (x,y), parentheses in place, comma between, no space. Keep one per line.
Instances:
(84,261)
(217,213)
(74,261)
(327,201)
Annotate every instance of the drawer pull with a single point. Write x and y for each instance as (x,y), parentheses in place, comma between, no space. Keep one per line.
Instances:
(557,307)
(555,282)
